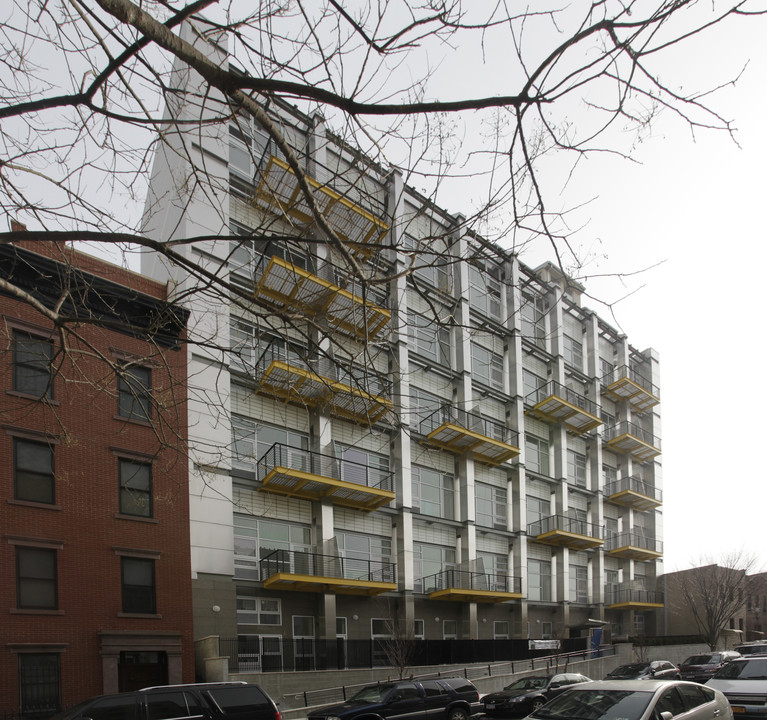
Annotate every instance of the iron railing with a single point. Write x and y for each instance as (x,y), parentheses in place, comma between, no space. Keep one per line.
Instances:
(487,427)
(634,484)
(626,371)
(556,389)
(297,562)
(628,538)
(565,524)
(634,430)
(314,463)
(622,596)
(472,580)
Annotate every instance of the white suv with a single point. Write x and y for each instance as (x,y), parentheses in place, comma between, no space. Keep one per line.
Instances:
(744,683)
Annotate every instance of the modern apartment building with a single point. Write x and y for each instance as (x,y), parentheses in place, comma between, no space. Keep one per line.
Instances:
(94,523)
(442,440)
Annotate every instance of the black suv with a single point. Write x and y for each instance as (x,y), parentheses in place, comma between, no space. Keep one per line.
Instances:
(443,699)
(205,701)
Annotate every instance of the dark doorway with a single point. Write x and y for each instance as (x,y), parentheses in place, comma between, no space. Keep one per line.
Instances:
(140,669)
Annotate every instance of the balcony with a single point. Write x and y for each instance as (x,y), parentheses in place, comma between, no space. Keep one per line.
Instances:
(311,572)
(631,439)
(633,492)
(564,531)
(284,284)
(459,432)
(279,192)
(625,383)
(555,403)
(309,475)
(633,546)
(634,600)
(285,375)
(466,586)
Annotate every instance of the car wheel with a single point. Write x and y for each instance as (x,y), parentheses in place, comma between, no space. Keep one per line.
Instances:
(457,714)
(538,703)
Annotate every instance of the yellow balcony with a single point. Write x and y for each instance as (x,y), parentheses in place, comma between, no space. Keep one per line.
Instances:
(286,285)
(563,531)
(631,439)
(311,572)
(556,403)
(300,473)
(465,586)
(624,383)
(632,546)
(278,191)
(633,492)
(290,380)
(635,600)
(459,432)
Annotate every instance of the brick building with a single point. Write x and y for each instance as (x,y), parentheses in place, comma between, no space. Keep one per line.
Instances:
(94,517)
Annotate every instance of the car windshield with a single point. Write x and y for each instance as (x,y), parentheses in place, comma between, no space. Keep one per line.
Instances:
(528,683)
(747,670)
(372,694)
(634,669)
(700,660)
(577,704)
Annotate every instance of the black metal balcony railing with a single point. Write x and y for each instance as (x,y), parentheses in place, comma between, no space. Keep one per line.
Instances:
(634,540)
(326,466)
(564,523)
(316,565)
(469,580)
(487,427)
(634,439)
(565,393)
(636,485)
(555,403)
(635,597)
(626,371)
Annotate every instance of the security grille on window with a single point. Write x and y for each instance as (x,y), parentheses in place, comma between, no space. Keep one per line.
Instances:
(138,586)
(39,684)
(134,386)
(32,369)
(36,578)
(33,478)
(136,488)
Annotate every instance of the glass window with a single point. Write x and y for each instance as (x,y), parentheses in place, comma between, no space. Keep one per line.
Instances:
(135,488)
(36,581)
(532,387)
(113,708)
(254,610)
(485,291)
(433,492)
(364,467)
(33,478)
(576,468)
(32,368)
(429,560)
(425,409)
(579,584)
(134,386)
(537,509)
(487,366)
(609,474)
(429,266)
(255,539)
(573,352)
(429,338)
(491,503)
(533,319)
(39,684)
(138,586)
(539,580)
(501,630)
(536,454)
(364,549)
(449,629)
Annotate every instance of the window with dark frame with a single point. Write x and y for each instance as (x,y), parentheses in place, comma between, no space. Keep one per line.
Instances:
(32,365)
(36,578)
(33,478)
(136,488)
(138,586)
(39,684)
(134,399)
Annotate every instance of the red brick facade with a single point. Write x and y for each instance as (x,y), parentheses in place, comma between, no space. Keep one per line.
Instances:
(85,633)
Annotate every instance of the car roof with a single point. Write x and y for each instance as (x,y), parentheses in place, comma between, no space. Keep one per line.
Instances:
(634,685)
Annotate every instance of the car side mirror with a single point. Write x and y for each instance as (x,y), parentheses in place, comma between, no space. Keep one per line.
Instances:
(666,715)
(556,685)
(395,698)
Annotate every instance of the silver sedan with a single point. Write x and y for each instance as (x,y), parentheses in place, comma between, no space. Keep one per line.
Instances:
(637,700)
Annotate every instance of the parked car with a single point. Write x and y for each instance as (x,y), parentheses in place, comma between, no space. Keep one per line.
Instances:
(757,647)
(637,700)
(443,699)
(198,701)
(529,693)
(744,683)
(700,668)
(656,670)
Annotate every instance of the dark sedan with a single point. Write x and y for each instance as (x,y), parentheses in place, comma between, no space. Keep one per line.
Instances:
(655,670)
(529,693)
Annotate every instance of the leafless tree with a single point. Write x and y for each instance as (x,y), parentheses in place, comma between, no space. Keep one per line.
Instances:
(714,593)
(89,91)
